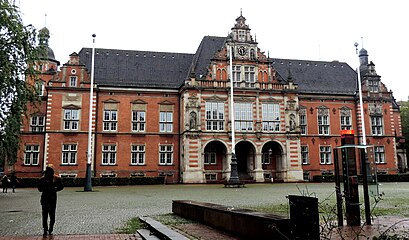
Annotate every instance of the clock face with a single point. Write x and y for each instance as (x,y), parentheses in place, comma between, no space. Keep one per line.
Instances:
(242,50)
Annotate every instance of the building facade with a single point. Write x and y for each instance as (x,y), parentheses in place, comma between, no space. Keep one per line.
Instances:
(170,114)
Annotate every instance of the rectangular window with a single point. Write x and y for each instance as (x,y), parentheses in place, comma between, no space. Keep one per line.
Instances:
(69,154)
(137,154)
(165,154)
(373,85)
(325,155)
(323,125)
(241,35)
(236,76)
(266,158)
(71,119)
(304,155)
(138,121)
(243,113)
(166,121)
(73,81)
(31,154)
(379,154)
(39,85)
(210,158)
(377,126)
(110,120)
(109,154)
(346,123)
(271,117)
(303,123)
(249,76)
(214,116)
(37,124)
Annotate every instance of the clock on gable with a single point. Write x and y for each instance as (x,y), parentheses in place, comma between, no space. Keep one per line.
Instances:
(242,50)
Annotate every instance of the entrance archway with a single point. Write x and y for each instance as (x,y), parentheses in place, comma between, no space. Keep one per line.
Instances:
(271,159)
(213,159)
(245,154)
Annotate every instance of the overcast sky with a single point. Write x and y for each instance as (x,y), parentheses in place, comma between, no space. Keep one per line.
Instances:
(294,29)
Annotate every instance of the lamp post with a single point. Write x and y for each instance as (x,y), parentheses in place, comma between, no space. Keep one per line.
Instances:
(88,181)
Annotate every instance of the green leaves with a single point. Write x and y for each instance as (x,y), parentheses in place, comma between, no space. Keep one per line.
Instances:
(18,54)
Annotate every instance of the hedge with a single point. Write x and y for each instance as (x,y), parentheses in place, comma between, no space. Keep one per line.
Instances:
(107,181)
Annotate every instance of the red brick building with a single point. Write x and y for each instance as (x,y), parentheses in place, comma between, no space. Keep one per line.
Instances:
(158,113)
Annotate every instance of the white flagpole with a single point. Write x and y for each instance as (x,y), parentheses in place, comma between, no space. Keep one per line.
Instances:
(88,182)
(363,141)
(233,140)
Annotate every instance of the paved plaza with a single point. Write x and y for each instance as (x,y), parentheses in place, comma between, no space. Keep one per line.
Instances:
(106,209)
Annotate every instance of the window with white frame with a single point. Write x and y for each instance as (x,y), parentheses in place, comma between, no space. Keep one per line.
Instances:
(69,154)
(236,76)
(323,121)
(249,76)
(39,86)
(325,155)
(210,158)
(165,155)
(71,119)
(373,85)
(37,123)
(304,155)
(109,154)
(376,124)
(303,121)
(266,158)
(138,121)
(243,116)
(73,81)
(214,116)
(242,35)
(166,121)
(345,118)
(379,154)
(271,117)
(110,120)
(31,154)
(137,154)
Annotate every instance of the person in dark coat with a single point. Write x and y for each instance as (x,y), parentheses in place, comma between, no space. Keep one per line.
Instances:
(49,186)
(13,181)
(5,183)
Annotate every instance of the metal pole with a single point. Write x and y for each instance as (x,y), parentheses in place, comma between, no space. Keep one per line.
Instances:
(88,181)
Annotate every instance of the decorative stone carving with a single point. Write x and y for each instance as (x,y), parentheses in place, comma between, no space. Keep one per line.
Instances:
(375,109)
(292,122)
(192,120)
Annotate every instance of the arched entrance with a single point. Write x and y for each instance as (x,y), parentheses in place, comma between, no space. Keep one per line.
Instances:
(213,159)
(245,154)
(271,160)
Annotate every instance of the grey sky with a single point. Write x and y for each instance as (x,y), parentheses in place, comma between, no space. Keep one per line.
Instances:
(295,29)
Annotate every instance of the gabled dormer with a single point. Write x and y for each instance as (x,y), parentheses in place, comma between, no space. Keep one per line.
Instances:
(244,47)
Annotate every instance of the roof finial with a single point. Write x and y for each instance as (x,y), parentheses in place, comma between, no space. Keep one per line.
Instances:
(241,12)
(362,42)
(45,20)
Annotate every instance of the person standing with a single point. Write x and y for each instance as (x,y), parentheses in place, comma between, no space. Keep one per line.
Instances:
(14,181)
(49,186)
(5,183)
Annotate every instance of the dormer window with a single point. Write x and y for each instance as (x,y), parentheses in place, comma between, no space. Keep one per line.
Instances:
(73,81)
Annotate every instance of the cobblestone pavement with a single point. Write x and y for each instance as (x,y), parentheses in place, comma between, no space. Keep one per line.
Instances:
(106,209)
(76,237)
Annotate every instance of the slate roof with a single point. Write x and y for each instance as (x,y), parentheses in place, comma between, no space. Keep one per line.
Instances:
(126,68)
(205,52)
(318,76)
